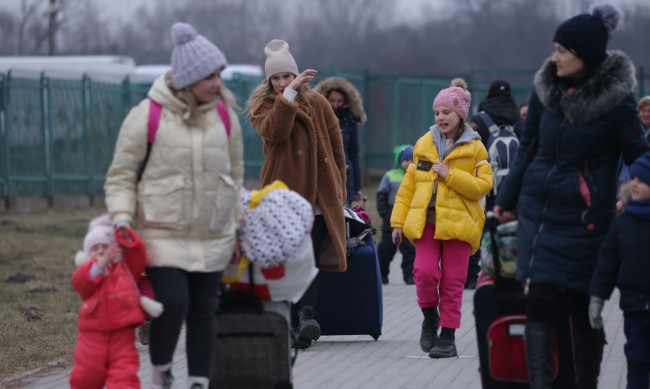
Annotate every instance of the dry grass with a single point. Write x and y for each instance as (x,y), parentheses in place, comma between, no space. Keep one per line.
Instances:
(38,305)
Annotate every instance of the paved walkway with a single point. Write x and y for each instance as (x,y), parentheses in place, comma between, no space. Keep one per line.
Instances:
(395,361)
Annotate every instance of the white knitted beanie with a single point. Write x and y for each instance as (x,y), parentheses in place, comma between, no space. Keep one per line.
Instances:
(100,230)
(278,59)
(194,57)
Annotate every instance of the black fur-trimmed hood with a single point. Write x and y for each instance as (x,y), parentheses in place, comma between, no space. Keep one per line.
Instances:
(613,80)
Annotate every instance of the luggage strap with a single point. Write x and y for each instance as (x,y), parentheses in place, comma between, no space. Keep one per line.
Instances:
(251,291)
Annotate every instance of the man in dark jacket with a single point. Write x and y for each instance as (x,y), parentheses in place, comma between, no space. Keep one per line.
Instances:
(501,107)
(503,110)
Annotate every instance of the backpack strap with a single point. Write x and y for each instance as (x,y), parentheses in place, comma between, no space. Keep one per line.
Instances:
(155,110)
(225,118)
(489,123)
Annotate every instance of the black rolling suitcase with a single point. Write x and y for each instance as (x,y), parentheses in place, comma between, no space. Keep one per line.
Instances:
(499,311)
(252,348)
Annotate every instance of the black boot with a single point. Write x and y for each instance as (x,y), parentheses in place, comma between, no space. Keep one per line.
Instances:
(308,329)
(540,346)
(588,351)
(446,345)
(429,334)
(472,271)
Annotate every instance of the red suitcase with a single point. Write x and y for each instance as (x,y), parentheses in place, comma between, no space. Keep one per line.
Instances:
(500,315)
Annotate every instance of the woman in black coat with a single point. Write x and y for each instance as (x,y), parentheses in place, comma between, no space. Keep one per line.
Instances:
(347,104)
(562,184)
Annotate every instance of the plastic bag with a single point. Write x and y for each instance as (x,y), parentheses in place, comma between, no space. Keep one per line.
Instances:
(506,238)
(285,282)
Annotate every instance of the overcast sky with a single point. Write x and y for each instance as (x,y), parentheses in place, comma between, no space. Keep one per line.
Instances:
(407,10)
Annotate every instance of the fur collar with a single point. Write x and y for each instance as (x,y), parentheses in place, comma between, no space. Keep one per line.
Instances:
(354,97)
(613,80)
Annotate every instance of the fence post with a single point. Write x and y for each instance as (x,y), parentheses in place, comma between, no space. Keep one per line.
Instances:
(8,134)
(126,95)
(368,125)
(88,151)
(395,108)
(3,136)
(46,131)
(3,132)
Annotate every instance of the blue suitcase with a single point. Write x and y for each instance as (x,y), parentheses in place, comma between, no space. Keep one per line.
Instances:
(350,303)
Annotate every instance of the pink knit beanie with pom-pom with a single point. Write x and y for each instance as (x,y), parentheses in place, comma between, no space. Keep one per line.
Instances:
(456,97)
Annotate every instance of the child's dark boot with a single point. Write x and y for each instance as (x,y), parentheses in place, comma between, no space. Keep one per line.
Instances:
(429,334)
(308,329)
(446,346)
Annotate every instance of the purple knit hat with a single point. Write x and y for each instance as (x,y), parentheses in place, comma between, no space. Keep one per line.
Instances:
(456,97)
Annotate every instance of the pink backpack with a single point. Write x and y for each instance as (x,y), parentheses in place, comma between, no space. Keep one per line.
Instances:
(155,110)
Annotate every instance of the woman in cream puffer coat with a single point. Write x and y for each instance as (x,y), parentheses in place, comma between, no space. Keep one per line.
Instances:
(185,205)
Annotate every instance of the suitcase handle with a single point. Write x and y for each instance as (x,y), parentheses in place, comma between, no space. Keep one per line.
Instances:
(492,228)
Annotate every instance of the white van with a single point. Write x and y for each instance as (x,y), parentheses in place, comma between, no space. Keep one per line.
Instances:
(105,67)
(146,74)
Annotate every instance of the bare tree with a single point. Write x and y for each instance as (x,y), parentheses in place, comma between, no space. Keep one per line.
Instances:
(452,36)
(82,31)
(7,27)
(28,10)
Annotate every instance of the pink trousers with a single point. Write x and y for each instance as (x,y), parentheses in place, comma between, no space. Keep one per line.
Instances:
(440,271)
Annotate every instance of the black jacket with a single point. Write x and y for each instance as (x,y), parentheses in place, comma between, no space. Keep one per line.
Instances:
(502,110)
(563,179)
(348,123)
(624,259)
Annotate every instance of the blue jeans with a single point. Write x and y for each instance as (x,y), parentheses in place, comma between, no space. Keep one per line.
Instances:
(636,326)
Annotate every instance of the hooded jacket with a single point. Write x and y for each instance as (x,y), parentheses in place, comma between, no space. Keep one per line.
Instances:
(306,152)
(348,117)
(459,213)
(186,203)
(624,259)
(563,179)
(388,187)
(111,301)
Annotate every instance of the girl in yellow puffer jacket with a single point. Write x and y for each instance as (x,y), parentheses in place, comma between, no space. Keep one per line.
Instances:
(438,207)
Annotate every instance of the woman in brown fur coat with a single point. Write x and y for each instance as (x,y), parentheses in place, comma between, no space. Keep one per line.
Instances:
(303,147)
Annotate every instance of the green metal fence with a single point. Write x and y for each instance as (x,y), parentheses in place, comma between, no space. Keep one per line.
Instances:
(57,135)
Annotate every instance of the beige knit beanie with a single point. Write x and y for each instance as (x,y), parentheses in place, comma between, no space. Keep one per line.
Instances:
(278,59)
